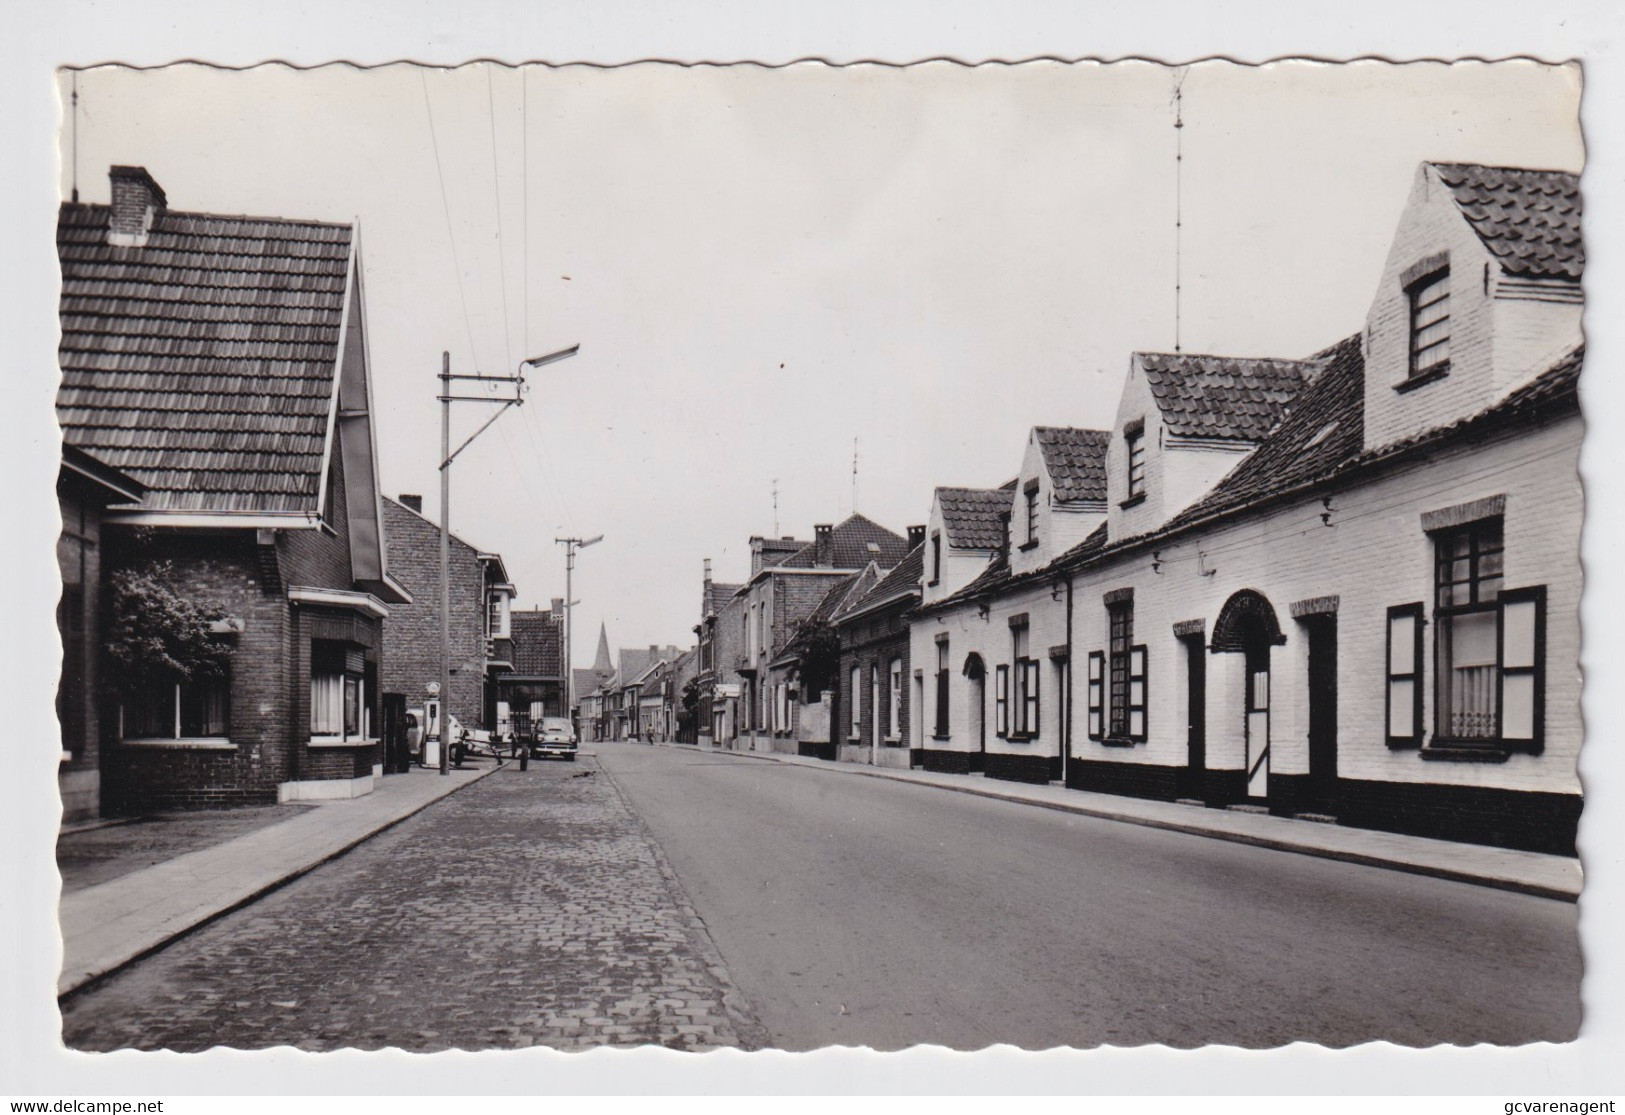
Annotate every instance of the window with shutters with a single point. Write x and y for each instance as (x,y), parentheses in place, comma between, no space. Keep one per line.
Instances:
(1488,648)
(1023,699)
(1120,628)
(1405,675)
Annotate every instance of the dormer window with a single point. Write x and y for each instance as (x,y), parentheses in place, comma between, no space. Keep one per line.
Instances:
(1030,493)
(936,556)
(1134,441)
(1430,324)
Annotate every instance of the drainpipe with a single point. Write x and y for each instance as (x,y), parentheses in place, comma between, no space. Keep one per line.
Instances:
(1066,721)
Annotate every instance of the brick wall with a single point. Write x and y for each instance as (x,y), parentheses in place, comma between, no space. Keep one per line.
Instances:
(219,571)
(872,643)
(321,558)
(411,647)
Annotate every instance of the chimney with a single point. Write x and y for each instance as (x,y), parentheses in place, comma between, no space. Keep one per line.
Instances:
(755,554)
(557,607)
(412,503)
(137,201)
(824,545)
(916,536)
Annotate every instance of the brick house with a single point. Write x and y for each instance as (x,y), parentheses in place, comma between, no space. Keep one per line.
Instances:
(85,489)
(221,362)
(804,676)
(1344,586)
(481,599)
(872,711)
(534,686)
(783,590)
(719,639)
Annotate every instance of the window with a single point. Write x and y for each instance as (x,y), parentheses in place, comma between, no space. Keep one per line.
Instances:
(1001,701)
(496,616)
(197,709)
(1134,440)
(1097,695)
(1024,699)
(855,726)
(1126,675)
(1430,324)
(941,730)
(1405,675)
(894,723)
(1488,645)
(936,556)
(337,691)
(1031,495)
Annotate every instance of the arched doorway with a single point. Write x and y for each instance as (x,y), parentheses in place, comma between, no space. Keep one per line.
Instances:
(1247,626)
(976,708)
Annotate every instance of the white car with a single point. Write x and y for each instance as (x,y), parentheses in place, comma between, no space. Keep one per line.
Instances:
(555,735)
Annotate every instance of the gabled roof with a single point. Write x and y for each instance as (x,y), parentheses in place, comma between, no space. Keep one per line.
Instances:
(584,682)
(1075,460)
(1225,397)
(203,364)
(901,583)
(1528,219)
(970,516)
(538,650)
(718,596)
(856,542)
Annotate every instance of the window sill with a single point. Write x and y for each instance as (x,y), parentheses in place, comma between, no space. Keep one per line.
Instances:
(1453,751)
(1422,379)
(934,583)
(1132,501)
(940,738)
(1020,737)
(205,743)
(334,741)
(1117,741)
(1030,544)
(892,741)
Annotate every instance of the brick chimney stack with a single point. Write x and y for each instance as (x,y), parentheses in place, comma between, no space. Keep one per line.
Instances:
(824,545)
(557,607)
(137,201)
(916,536)
(412,503)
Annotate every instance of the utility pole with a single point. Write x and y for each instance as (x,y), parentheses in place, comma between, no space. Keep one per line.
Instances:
(447,456)
(571,545)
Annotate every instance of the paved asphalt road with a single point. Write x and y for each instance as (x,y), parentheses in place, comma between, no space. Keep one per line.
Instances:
(860,911)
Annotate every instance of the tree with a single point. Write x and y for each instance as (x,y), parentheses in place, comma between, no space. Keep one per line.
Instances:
(820,659)
(688,714)
(155,635)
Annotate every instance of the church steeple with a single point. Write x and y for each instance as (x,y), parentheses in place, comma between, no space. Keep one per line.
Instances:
(602,667)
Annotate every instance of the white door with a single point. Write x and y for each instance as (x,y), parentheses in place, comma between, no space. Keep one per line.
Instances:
(1258,730)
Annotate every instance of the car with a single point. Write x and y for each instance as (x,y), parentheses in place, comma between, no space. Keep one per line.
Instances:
(555,735)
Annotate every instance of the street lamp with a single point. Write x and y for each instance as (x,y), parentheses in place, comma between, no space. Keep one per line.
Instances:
(571,545)
(517,381)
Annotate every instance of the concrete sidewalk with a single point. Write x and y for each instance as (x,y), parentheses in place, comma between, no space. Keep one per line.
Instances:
(106,926)
(1533,873)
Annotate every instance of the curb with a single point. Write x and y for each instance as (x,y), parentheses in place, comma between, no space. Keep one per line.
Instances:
(66,989)
(1279,844)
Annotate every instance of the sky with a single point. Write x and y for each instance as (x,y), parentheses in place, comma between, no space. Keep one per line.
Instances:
(836,287)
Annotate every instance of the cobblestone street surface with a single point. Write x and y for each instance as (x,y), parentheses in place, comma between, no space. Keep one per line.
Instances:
(529,909)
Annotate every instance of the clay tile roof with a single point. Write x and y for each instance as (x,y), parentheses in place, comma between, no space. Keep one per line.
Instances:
(537,645)
(1325,429)
(720,595)
(203,363)
(1226,397)
(970,516)
(905,577)
(1529,219)
(1076,460)
(857,541)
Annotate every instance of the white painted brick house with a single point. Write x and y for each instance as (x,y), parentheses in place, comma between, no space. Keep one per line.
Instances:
(1347,585)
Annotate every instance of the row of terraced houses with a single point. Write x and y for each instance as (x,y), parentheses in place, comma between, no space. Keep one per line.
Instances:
(1343,586)
(217,411)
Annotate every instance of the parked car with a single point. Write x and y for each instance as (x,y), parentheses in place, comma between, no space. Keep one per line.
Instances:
(415,722)
(555,735)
